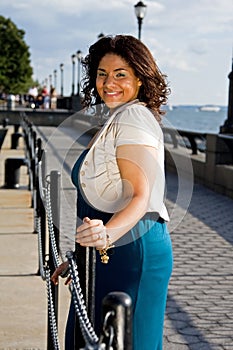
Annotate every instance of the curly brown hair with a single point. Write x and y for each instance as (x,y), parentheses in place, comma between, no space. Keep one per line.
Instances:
(154,90)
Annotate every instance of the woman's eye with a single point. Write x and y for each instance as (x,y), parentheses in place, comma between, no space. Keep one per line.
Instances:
(120,75)
(101,74)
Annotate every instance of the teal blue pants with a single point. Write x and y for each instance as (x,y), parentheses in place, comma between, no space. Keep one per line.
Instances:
(142,269)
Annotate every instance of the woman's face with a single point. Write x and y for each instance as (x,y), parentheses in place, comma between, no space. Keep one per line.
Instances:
(116,82)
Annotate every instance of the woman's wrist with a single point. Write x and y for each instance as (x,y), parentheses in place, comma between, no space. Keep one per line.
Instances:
(103,251)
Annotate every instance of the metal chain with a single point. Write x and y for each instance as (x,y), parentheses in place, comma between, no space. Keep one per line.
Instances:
(41,187)
(51,311)
(108,330)
(87,329)
(45,271)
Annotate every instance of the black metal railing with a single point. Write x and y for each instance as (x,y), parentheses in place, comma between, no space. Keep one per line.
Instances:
(196,141)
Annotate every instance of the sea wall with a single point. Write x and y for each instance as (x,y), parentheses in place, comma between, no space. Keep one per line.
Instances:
(212,168)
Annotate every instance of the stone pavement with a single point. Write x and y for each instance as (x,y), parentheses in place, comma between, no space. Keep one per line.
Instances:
(23,311)
(200,300)
(199,311)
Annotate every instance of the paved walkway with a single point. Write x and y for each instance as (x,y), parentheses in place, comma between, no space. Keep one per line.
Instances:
(200,301)
(23,311)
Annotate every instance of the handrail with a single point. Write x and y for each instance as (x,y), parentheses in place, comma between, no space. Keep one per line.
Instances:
(190,139)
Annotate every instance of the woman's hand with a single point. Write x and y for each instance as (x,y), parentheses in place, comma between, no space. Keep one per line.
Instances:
(59,271)
(92,233)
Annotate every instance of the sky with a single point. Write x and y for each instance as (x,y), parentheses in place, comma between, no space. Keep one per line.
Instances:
(191,41)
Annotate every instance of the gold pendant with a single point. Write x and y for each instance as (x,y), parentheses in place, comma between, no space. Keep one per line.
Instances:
(104,259)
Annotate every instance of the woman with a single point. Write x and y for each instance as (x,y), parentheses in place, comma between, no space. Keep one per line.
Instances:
(120,182)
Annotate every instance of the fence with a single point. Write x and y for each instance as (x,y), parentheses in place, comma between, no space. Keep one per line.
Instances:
(116,307)
(211,157)
(196,141)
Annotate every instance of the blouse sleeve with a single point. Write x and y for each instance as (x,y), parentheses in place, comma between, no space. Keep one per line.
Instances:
(137,125)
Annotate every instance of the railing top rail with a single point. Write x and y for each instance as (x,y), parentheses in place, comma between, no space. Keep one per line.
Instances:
(182,132)
(227,137)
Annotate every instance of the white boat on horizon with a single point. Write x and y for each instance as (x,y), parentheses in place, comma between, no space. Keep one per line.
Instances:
(209,108)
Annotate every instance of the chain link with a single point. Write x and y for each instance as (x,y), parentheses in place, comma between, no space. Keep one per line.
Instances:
(87,329)
(108,330)
(51,311)
(44,270)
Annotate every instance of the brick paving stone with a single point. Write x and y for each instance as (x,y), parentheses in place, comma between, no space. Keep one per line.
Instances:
(179,339)
(204,346)
(170,346)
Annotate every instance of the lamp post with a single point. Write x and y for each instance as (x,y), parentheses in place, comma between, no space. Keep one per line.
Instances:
(50,81)
(62,69)
(101,35)
(79,56)
(73,72)
(227,128)
(140,11)
(55,78)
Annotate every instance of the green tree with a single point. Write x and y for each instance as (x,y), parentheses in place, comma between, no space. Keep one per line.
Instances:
(15,69)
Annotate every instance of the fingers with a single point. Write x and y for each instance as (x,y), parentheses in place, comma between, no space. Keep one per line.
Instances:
(68,281)
(54,278)
(88,223)
(87,220)
(92,233)
(58,272)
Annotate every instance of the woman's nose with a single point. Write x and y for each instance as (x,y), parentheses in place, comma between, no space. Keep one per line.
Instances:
(109,80)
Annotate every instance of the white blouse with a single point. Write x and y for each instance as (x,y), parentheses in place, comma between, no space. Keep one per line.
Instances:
(99,174)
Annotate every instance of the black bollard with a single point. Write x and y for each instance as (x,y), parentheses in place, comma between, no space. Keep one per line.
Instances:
(5,122)
(12,171)
(15,139)
(117,317)
(16,127)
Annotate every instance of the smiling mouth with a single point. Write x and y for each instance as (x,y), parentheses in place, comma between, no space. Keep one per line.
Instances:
(113,93)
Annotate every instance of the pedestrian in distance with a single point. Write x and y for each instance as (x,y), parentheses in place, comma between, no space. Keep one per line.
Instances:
(120,184)
(53,98)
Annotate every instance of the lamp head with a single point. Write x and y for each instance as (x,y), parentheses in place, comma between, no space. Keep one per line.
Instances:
(140,10)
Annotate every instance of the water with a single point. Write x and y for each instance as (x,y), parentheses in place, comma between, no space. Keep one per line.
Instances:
(190,118)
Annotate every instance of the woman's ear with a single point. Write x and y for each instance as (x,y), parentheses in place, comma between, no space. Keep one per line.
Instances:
(139,82)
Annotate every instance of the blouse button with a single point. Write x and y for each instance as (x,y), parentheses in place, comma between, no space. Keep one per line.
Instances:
(82,172)
(83,185)
(86,162)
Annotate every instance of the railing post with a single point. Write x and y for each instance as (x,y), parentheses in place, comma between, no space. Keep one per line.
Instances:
(86,269)
(117,313)
(55,186)
(40,208)
(227,128)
